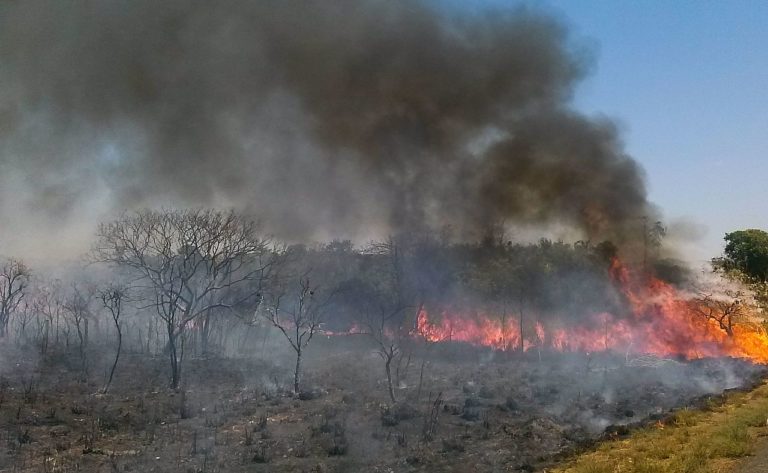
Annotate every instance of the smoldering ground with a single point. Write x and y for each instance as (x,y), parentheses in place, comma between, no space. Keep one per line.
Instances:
(234,415)
(336,118)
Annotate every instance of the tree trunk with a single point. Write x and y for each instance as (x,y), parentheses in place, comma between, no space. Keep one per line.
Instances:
(81,348)
(504,341)
(297,373)
(117,357)
(388,369)
(4,318)
(729,330)
(173,357)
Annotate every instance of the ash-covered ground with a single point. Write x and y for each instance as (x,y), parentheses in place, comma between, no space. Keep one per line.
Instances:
(459,409)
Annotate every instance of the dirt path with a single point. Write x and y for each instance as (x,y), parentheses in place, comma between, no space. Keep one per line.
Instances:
(758,463)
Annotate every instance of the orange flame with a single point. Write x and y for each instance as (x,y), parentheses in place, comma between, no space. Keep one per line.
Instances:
(661,322)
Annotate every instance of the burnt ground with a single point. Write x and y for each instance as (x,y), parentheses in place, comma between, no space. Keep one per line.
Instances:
(476,410)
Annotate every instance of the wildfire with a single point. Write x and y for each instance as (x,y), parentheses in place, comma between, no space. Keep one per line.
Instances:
(661,321)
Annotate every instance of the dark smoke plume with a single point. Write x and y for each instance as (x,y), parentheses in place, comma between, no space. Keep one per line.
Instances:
(324,117)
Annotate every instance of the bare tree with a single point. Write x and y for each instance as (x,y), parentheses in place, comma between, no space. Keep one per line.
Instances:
(24,315)
(723,309)
(48,304)
(14,279)
(298,314)
(187,263)
(430,338)
(383,304)
(112,298)
(77,306)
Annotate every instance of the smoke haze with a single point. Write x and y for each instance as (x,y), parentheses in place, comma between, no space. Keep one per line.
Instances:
(348,118)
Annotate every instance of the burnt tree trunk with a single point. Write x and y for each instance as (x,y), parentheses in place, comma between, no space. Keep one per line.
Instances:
(388,368)
(297,373)
(117,357)
(173,356)
(4,319)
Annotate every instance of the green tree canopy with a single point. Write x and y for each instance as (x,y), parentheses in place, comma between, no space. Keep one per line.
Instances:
(746,251)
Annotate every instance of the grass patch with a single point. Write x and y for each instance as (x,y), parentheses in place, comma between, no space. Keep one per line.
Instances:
(691,441)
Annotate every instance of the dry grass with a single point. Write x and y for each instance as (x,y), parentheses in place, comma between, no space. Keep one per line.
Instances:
(706,441)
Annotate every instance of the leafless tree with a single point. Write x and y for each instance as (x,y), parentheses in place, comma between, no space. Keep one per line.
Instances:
(24,315)
(78,307)
(48,304)
(188,263)
(112,298)
(14,279)
(383,305)
(430,339)
(298,313)
(724,309)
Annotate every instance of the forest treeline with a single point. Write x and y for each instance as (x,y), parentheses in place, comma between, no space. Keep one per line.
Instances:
(173,280)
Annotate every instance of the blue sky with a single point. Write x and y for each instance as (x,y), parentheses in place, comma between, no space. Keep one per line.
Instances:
(688,83)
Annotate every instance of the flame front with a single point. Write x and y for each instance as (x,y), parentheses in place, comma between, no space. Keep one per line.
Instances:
(661,321)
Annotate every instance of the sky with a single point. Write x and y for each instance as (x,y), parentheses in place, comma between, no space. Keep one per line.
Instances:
(688,83)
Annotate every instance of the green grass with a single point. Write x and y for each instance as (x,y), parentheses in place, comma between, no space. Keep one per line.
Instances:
(692,441)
